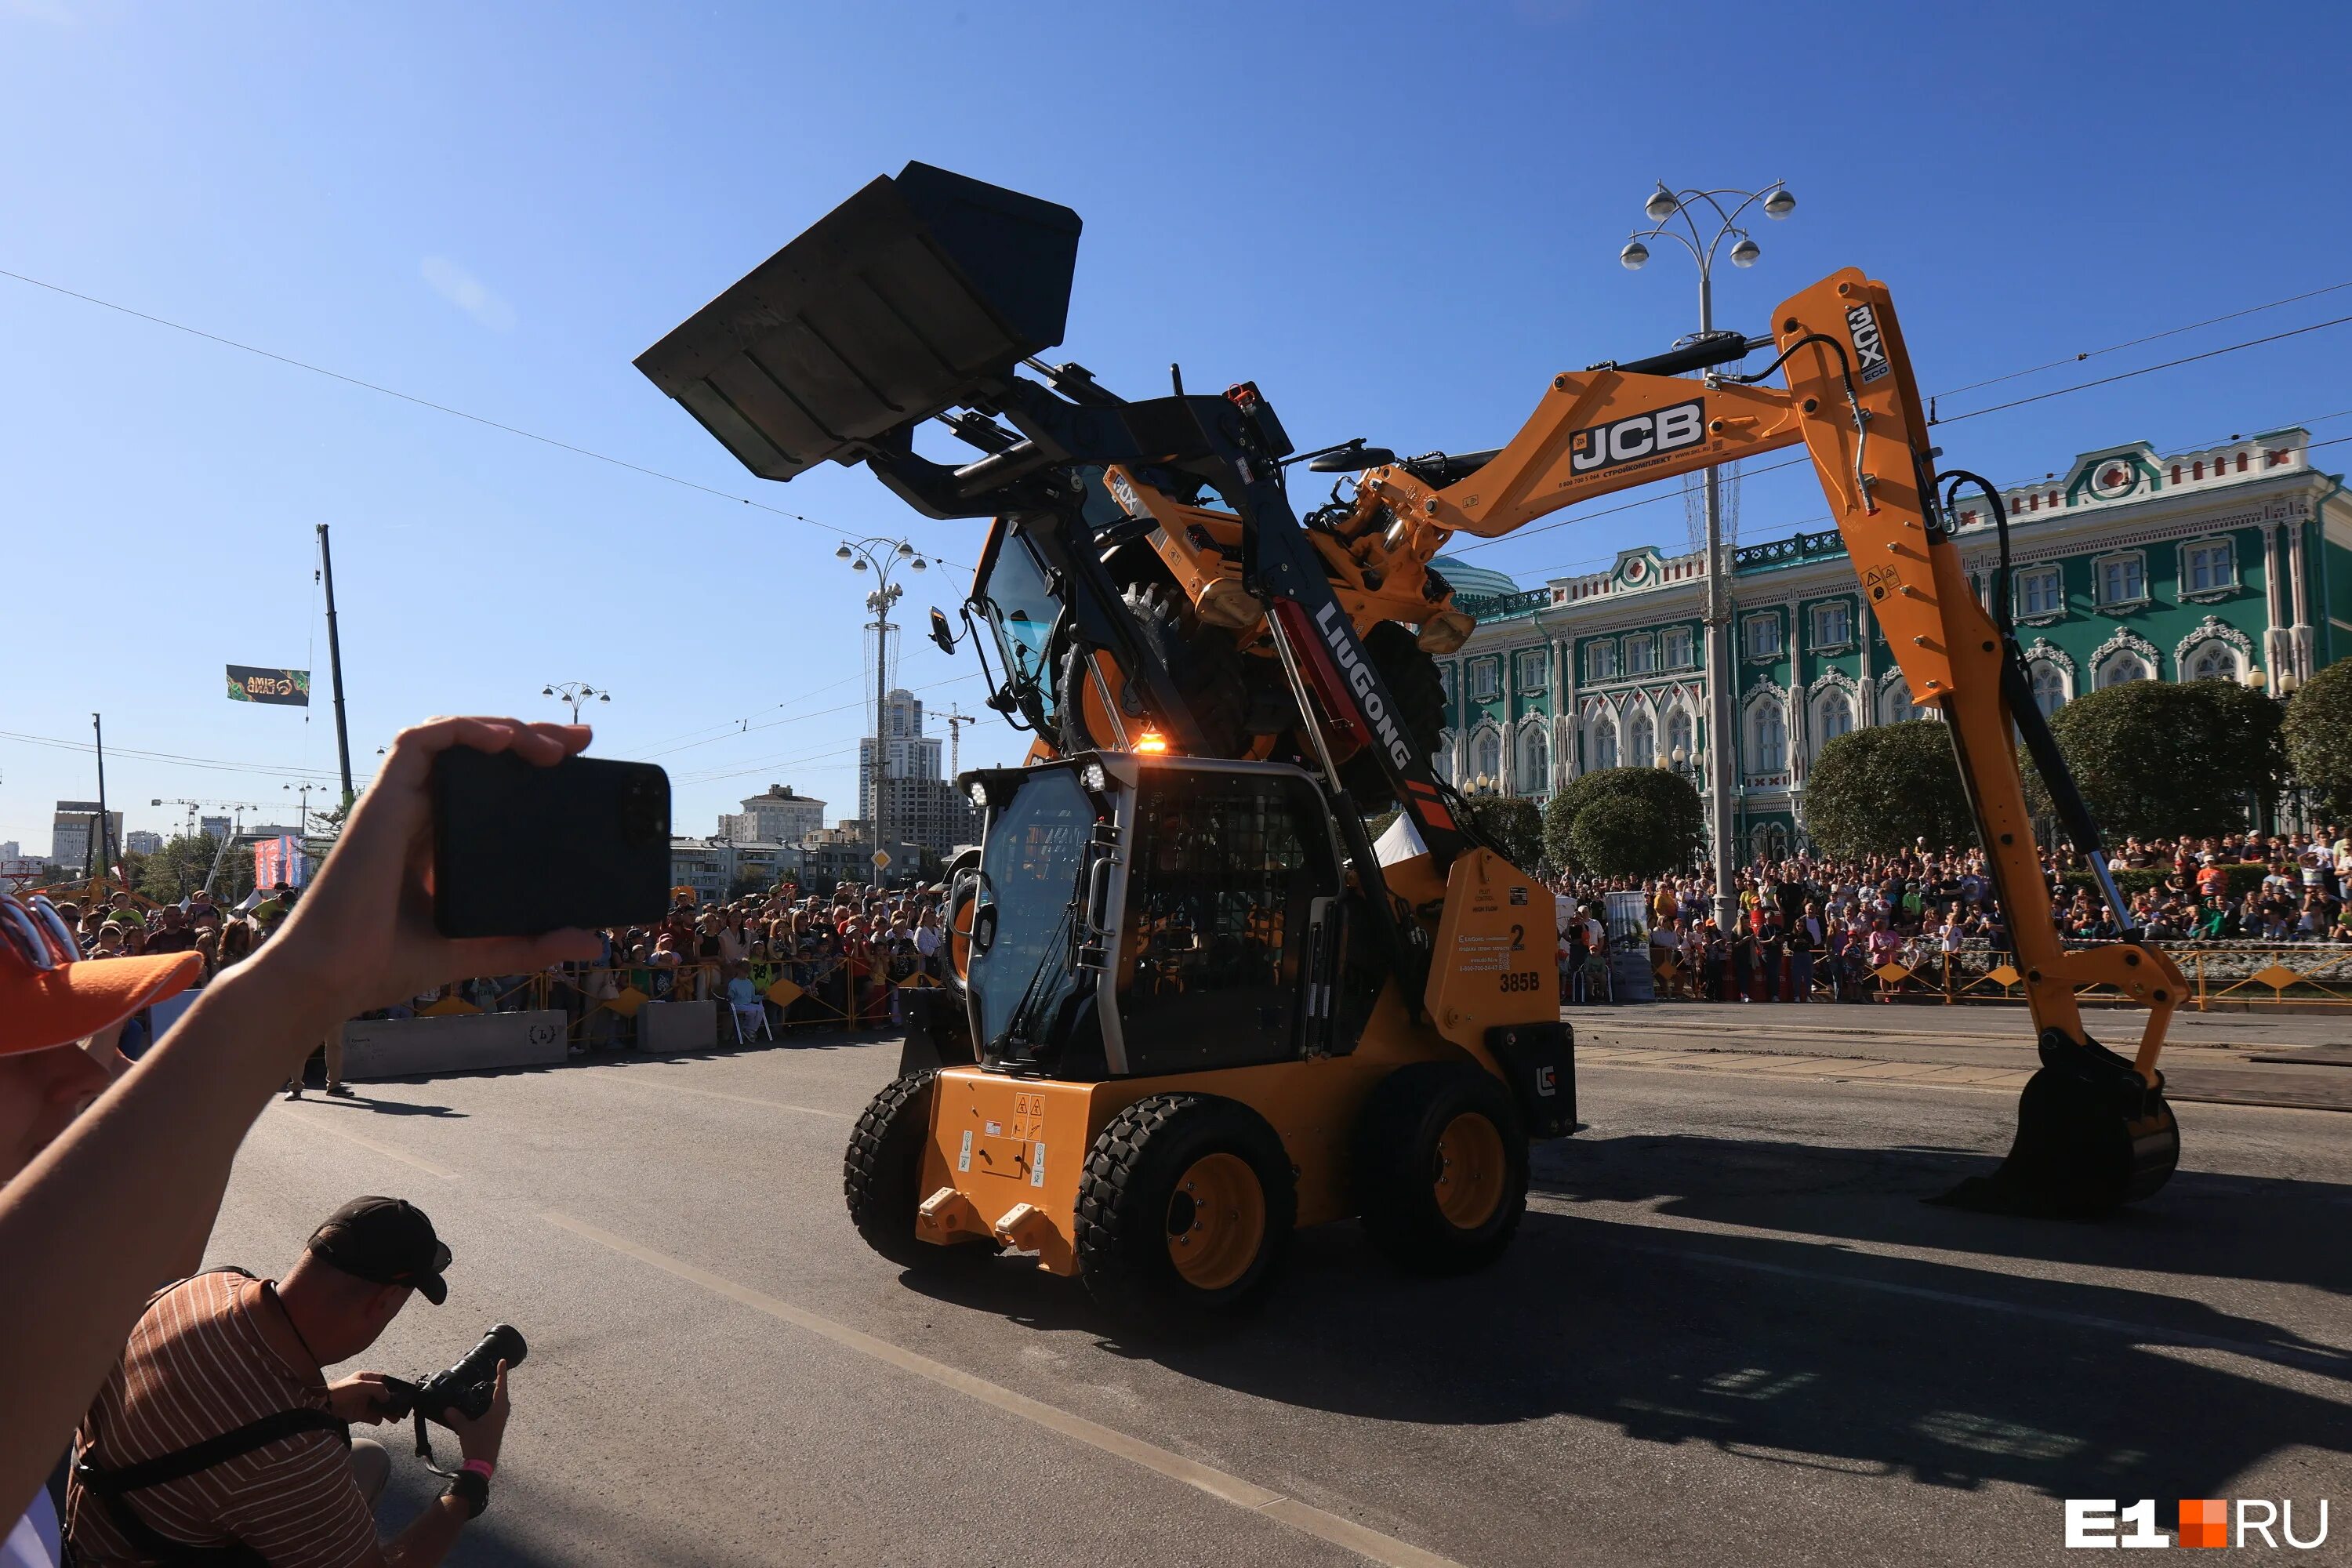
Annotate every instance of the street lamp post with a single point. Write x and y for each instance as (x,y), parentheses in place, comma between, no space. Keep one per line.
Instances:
(881,556)
(1664,208)
(575,692)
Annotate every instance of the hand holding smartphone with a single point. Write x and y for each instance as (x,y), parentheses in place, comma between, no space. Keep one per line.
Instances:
(520,850)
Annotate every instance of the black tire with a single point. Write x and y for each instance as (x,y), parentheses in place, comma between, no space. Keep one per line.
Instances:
(1203,661)
(1400,1188)
(1419,697)
(1130,1203)
(881,1172)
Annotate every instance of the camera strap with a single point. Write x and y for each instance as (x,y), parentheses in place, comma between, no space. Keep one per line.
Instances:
(109,1487)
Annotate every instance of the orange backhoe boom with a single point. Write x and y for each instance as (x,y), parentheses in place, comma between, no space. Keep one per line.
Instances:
(1851,398)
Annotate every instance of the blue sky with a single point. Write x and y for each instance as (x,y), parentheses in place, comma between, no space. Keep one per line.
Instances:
(1398,220)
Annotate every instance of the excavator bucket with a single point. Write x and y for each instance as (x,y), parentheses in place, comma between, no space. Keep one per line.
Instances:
(2092,1134)
(900,303)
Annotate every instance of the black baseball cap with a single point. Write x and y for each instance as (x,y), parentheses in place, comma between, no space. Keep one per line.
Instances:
(386,1240)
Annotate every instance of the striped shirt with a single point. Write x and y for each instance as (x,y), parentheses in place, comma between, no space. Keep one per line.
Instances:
(199,1364)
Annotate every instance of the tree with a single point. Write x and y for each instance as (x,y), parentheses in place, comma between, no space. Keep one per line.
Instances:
(2159,758)
(176,869)
(1515,827)
(1880,790)
(2319,732)
(1654,824)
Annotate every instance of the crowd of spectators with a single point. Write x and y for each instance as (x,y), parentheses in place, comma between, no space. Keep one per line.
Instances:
(1810,927)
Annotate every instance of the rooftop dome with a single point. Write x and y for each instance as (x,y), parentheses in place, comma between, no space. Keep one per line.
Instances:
(1482,581)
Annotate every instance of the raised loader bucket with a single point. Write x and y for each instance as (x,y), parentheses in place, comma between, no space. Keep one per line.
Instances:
(2090,1136)
(895,306)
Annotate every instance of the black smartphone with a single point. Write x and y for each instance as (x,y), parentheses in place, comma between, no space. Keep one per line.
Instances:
(520,849)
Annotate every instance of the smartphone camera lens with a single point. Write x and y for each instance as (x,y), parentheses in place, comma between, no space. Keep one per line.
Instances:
(645,809)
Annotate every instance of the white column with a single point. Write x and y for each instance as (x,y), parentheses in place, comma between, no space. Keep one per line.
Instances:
(2298,606)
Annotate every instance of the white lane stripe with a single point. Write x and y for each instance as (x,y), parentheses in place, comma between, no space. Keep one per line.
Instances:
(633,1078)
(2318,1358)
(304,1118)
(1362,1540)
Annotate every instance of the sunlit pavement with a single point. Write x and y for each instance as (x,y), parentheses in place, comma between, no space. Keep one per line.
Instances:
(1730,1330)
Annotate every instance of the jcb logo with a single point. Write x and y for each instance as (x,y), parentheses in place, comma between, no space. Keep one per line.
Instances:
(1639,436)
(2204,1522)
(1869,347)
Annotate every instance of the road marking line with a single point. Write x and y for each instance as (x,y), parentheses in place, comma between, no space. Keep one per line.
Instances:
(1247,1495)
(304,1118)
(2322,1359)
(592,1076)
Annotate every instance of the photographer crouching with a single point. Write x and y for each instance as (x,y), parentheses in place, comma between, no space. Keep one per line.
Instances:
(218,1438)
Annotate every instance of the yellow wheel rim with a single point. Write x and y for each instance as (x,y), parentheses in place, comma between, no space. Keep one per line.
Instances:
(1216,1220)
(1469,1174)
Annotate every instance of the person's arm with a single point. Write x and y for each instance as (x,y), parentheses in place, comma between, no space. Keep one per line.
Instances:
(431,1533)
(124,1199)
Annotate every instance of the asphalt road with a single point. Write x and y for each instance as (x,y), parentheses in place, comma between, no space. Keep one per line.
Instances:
(1729,1332)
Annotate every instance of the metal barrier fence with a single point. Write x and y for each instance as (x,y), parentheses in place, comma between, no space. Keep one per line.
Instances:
(600,1005)
(2221,974)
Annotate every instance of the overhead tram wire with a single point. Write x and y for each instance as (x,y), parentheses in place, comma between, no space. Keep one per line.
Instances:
(742,724)
(445,408)
(219,764)
(794,718)
(2134,343)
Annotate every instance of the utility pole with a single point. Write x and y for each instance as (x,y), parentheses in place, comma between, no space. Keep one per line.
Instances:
(335,665)
(1722,740)
(101,835)
(881,557)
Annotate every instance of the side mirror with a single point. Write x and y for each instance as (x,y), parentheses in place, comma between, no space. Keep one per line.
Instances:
(941,633)
(1353,458)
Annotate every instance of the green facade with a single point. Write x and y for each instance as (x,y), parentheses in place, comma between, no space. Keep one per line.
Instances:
(2231,562)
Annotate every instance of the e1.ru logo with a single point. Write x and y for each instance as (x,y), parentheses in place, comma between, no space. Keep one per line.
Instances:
(2204,1522)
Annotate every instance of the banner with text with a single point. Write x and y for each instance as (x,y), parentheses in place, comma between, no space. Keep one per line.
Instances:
(248,683)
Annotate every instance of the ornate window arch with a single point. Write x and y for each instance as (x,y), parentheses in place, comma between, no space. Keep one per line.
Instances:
(1766,725)
(1682,733)
(1446,761)
(1599,737)
(2215,650)
(1641,734)
(2122,658)
(1894,704)
(1534,762)
(1831,716)
(1486,754)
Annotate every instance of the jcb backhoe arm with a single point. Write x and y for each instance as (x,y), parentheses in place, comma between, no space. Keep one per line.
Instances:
(2094,1129)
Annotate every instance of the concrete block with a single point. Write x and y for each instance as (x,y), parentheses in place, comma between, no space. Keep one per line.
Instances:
(464,1042)
(677,1025)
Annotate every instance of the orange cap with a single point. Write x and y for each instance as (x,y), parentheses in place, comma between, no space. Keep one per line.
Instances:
(45,1008)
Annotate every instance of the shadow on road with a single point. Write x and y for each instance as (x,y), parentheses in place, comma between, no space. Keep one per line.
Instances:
(1800,1351)
(2227,1227)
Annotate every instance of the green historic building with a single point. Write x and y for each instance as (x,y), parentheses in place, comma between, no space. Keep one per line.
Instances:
(2230,563)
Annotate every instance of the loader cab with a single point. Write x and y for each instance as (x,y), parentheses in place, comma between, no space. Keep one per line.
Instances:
(1014,593)
(1139,916)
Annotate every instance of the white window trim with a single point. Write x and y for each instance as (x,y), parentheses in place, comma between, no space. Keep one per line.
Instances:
(1541,658)
(2017,593)
(1690,641)
(1616,669)
(1625,652)
(2099,580)
(1813,625)
(2231,589)
(1490,666)
(1747,643)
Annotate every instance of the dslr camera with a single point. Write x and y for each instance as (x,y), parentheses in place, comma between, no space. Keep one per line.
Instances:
(465,1389)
